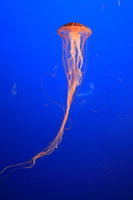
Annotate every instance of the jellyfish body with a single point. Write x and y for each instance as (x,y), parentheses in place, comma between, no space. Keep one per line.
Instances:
(73,37)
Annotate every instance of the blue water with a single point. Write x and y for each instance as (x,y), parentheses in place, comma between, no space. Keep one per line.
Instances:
(95,159)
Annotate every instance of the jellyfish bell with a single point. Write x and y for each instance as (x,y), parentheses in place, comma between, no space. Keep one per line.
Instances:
(75,29)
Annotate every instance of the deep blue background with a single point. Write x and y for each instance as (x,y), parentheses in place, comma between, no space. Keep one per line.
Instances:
(95,159)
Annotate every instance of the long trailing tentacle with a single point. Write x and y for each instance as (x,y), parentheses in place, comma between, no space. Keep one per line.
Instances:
(11,166)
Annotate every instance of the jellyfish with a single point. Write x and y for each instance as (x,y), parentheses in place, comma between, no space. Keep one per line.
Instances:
(73,37)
